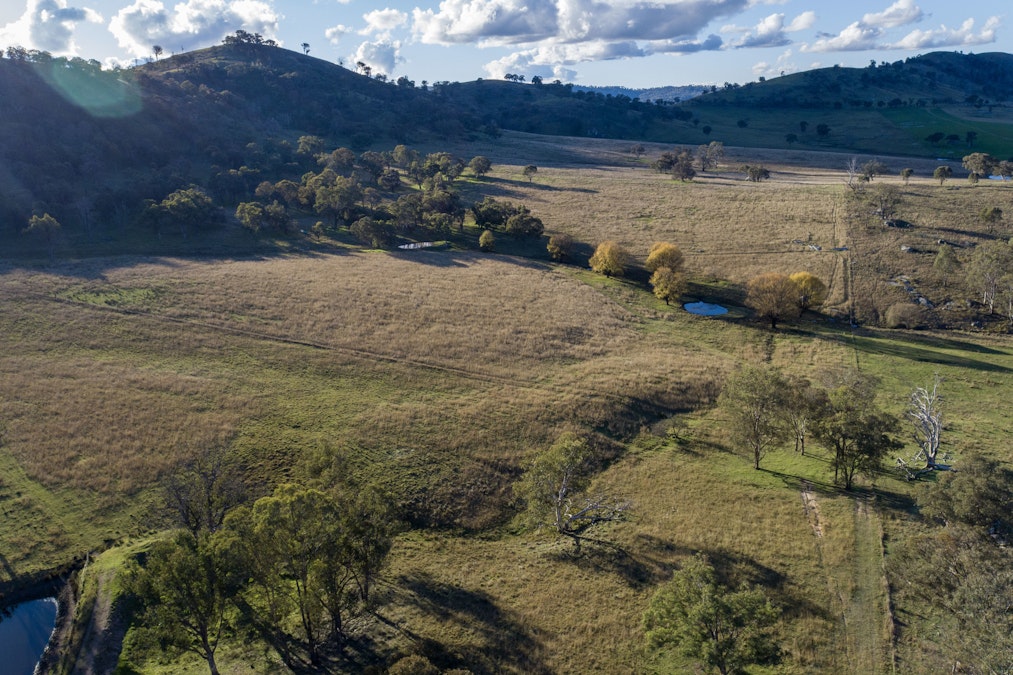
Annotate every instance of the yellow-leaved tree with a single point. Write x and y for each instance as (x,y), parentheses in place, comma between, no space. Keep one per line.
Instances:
(610,259)
(812,292)
(663,254)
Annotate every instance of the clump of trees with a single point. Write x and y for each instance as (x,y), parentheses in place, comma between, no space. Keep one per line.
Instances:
(961,564)
(724,629)
(304,556)
(755,173)
(679,163)
(765,408)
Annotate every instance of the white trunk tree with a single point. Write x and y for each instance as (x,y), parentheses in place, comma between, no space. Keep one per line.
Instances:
(924,412)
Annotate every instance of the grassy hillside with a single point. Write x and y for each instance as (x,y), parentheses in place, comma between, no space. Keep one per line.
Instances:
(441,373)
(92,147)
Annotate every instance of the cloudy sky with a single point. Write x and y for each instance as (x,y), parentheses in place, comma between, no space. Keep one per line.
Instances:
(637,43)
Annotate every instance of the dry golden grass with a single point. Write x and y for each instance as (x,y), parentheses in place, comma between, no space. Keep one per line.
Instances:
(440,373)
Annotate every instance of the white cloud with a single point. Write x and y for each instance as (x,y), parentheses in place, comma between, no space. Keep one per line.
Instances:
(383,56)
(803,21)
(772,31)
(708,44)
(500,22)
(856,37)
(335,33)
(899,13)
(48,25)
(383,21)
(195,23)
(946,37)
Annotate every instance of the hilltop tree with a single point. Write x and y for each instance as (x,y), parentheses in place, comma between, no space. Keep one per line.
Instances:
(157,51)
(555,489)
(668,284)
(942,173)
(752,401)
(773,296)
(663,254)
(726,630)
(812,292)
(610,259)
(305,47)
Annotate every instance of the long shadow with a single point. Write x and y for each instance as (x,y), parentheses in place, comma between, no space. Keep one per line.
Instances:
(919,348)
(94,265)
(951,343)
(505,183)
(456,258)
(281,643)
(637,571)
(505,643)
(915,353)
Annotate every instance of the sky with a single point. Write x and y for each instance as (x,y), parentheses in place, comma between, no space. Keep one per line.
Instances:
(633,43)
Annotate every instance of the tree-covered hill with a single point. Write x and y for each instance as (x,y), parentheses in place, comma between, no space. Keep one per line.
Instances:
(87,144)
(938,78)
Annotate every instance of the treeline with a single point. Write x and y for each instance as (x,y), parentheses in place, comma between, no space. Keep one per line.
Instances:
(377,197)
(296,565)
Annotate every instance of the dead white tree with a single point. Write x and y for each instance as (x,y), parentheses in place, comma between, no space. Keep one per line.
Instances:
(924,412)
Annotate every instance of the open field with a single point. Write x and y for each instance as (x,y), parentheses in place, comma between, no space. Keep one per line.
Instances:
(440,373)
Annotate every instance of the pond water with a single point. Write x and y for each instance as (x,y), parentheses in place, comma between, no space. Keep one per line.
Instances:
(705,309)
(24,633)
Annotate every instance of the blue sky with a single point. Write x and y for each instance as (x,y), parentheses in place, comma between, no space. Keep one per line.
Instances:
(636,43)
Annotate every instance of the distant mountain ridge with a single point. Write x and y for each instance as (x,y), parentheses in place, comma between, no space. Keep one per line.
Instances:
(669,94)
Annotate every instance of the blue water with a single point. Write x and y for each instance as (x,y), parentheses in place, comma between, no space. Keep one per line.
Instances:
(705,309)
(24,633)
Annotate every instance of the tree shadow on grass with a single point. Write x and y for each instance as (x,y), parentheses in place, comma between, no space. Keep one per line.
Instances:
(503,642)
(637,570)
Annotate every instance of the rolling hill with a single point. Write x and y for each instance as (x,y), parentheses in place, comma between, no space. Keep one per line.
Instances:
(75,139)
